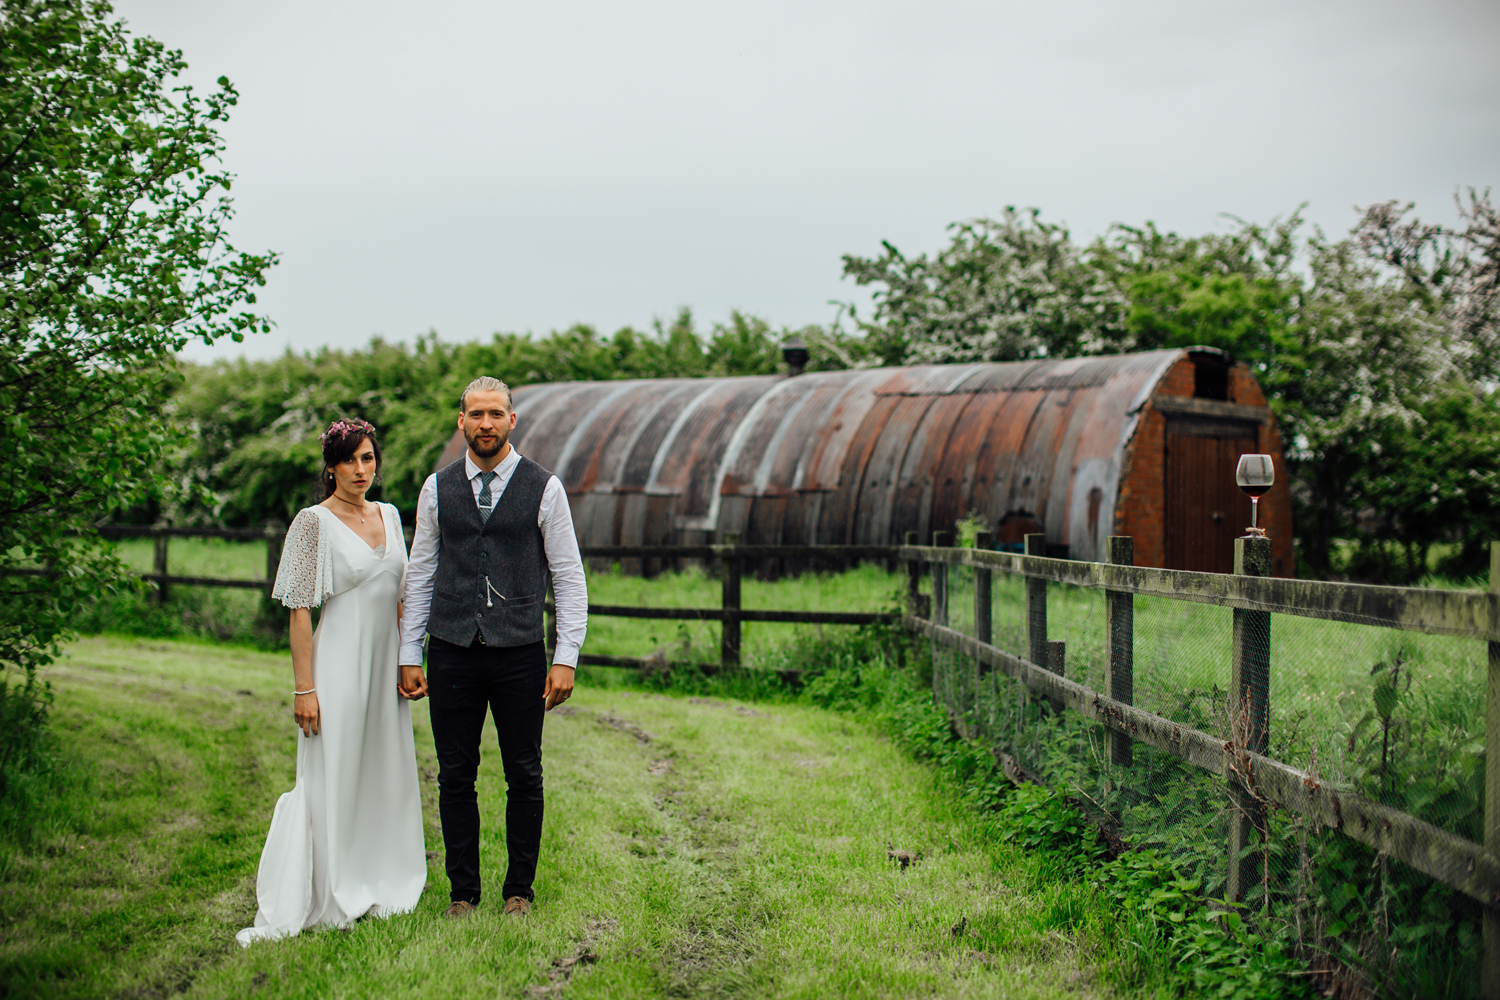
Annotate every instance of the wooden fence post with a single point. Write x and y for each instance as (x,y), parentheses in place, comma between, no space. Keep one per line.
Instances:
(984,607)
(729,634)
(1119,670)
(1489,978)
(940,581)
(1036,606)
(273,557)
(914,580)
(1057,662)
(1250,709)
(161,568)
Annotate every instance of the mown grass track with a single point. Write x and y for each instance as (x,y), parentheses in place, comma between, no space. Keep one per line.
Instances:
(692,848)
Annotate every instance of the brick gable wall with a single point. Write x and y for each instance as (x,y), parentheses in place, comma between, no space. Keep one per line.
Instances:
(1140,509)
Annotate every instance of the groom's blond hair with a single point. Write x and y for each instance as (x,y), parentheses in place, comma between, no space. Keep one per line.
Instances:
(485,383)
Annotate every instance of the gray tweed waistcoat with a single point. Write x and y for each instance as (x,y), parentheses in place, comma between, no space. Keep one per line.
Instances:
(491,575)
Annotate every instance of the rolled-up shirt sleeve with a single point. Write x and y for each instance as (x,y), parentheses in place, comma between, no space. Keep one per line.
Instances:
(421,567)
(569,587)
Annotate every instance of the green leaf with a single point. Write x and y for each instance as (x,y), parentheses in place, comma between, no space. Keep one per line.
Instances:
(1386,697)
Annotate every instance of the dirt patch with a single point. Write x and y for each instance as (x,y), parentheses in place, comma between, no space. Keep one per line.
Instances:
(659,767)
(236,905)
(626,726)
(585,952)
(565,711)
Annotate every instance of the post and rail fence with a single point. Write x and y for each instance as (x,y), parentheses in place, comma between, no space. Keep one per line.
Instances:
(1253,779)
(272,534)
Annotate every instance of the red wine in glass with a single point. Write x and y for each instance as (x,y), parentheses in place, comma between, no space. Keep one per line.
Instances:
(1255,476)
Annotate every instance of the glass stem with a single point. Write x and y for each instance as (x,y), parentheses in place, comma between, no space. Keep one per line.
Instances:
(1254,511)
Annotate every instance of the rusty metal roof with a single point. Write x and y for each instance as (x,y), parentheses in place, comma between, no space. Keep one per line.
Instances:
(857,456)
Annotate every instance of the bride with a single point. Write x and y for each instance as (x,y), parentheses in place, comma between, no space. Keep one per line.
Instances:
(346,841)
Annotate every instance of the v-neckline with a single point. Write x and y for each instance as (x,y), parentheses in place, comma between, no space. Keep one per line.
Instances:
(385,530)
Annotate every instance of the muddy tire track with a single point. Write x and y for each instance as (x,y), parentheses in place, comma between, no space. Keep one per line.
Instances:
(720,914)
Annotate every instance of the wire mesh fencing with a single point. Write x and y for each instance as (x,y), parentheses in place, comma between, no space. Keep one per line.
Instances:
(1363,709)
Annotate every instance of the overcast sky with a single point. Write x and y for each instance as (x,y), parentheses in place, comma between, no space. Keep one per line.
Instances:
(478,166)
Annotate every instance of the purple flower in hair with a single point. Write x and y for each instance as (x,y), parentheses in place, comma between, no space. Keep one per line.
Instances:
(343,428)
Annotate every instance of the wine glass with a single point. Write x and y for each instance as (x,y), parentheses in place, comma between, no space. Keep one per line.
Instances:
(1255,475)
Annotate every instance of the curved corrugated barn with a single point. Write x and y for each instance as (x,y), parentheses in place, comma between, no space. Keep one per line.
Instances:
(1078,448)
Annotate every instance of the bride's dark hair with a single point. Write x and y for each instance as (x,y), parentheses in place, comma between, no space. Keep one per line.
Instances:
(340,441)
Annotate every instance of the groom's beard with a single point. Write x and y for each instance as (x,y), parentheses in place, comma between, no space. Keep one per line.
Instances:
(490,448)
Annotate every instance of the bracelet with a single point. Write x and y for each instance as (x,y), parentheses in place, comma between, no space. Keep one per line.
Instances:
(308,691)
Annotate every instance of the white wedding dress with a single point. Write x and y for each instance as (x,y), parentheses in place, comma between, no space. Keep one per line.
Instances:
(346,841)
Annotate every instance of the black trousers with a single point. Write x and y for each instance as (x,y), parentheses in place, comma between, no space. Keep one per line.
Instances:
(464,683)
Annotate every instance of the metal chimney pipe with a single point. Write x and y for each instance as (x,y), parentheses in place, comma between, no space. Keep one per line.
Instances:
(794,353)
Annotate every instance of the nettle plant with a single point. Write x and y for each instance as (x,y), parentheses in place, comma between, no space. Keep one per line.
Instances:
(1416,748)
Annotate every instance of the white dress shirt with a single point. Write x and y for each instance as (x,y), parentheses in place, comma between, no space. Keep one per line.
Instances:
(555,519)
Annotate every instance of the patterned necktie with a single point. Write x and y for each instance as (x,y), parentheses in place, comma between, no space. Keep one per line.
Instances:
(486,503)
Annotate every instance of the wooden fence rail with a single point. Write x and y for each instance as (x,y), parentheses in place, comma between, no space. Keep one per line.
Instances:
(1446,857)
(271,534)
(741,614)
(732,557)
(730,612)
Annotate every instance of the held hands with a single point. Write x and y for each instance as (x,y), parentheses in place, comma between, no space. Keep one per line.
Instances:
(308,714)
(557,689)
(559,685)
(413,683)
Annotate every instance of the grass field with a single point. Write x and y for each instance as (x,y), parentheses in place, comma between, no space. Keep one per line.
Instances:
(765,644)
(692,848)
(1321,678)
(235,615)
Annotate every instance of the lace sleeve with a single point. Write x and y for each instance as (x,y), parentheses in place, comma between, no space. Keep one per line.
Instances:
(305,577)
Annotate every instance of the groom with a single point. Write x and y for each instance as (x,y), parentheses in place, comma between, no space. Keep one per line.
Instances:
(490,527)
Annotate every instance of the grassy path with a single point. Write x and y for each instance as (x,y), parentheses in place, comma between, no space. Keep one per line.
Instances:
(692,848)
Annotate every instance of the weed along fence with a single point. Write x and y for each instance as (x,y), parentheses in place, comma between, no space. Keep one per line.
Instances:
(1184,761)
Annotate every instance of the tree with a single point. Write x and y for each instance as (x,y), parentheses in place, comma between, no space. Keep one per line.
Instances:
(1003,289)
(113,255)
(254,425)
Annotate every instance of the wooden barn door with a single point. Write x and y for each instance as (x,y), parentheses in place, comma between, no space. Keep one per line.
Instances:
(1206,511)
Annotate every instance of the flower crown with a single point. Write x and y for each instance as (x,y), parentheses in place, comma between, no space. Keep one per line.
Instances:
(340,429)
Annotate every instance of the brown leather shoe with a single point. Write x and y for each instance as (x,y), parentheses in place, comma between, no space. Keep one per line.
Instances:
(461,910)
(518,906)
